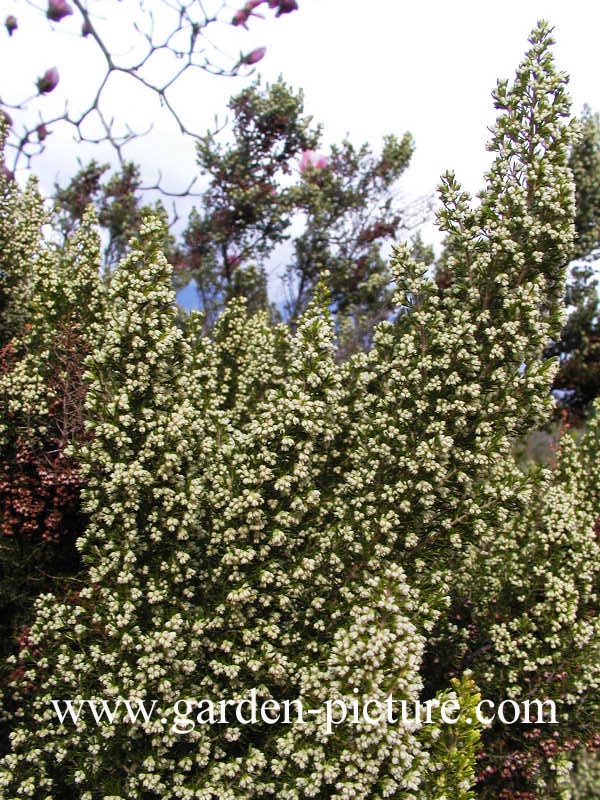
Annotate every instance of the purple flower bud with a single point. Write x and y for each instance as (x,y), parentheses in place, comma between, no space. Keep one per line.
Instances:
(86,28)
(58,9)
(11,24)
(255,56)
(48,82)
(286,7)
(283,6)
(240,18)
(42,132)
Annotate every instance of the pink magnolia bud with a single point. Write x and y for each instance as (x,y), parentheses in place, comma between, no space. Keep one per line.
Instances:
(42,132)
(242,16)
(11,24)
(285,7)
(48,82)
(86,28)
(305,159)
(255,56)
(312,160)
(58,9)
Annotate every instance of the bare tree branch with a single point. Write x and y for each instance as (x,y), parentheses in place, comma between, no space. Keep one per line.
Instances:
(177,28)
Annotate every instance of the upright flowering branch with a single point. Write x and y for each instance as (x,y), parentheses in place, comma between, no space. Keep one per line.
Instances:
(458,374)
(523,605)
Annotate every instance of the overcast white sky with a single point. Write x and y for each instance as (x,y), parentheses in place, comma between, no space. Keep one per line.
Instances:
(366,68)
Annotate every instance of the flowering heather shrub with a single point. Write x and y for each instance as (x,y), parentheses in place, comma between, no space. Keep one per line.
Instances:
(262,516)
(53,295)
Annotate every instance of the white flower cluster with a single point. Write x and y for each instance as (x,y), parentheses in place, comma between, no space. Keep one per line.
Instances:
(263,516)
